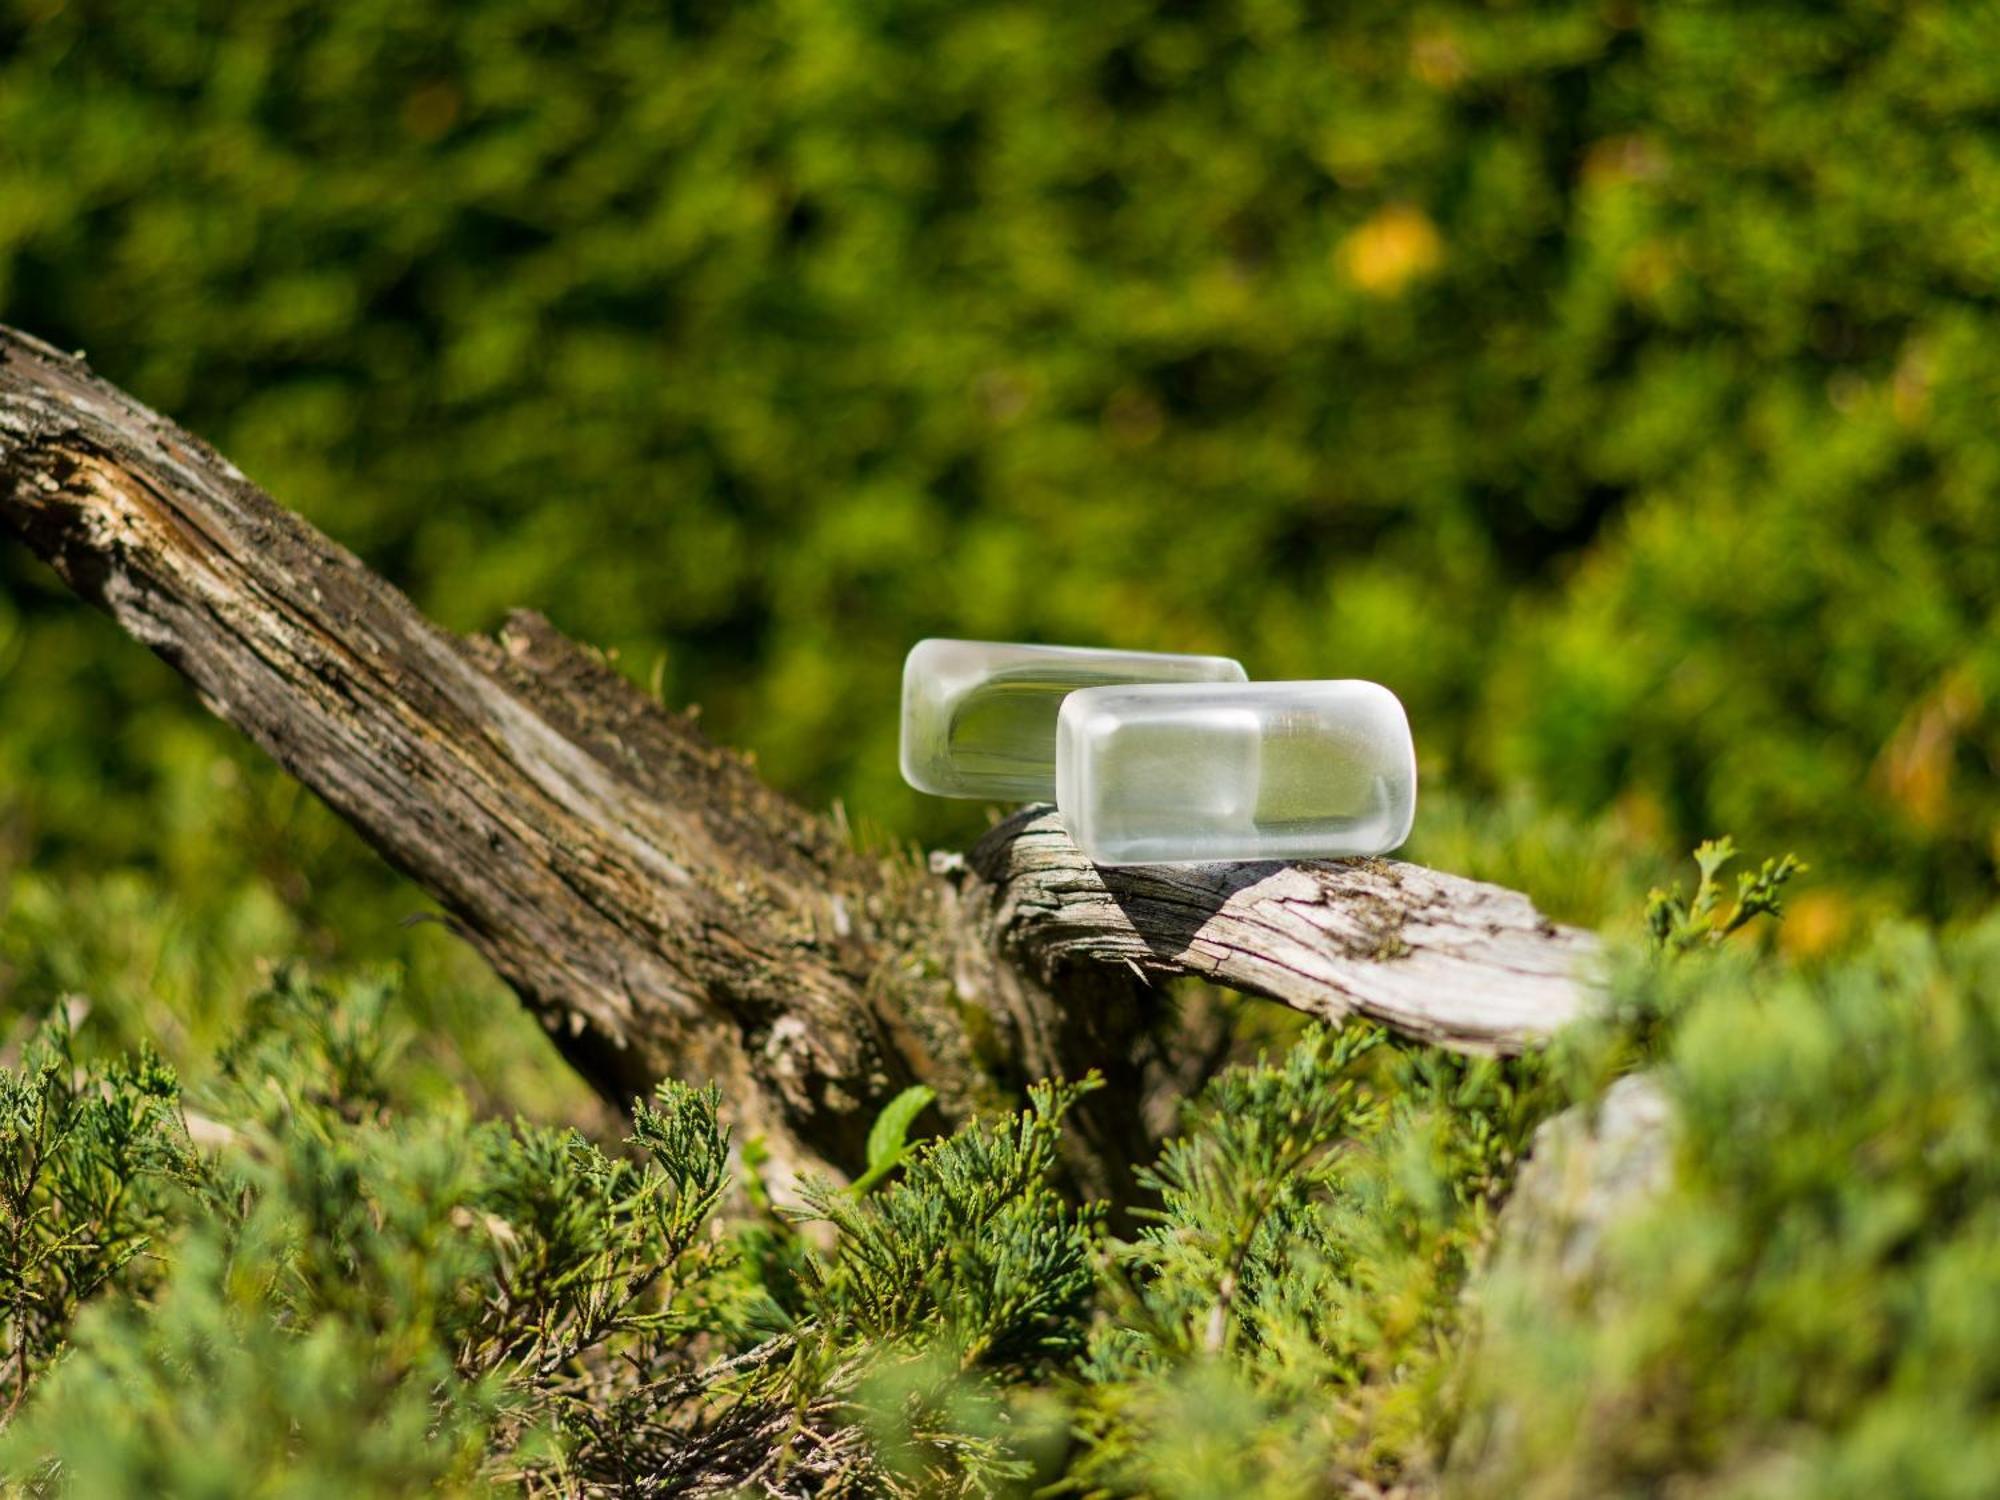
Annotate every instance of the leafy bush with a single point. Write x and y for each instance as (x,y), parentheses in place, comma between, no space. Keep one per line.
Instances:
(84,1165)
(1811,1308)
(1289,1314)
(342,1291)
(1613,382)
(343,1298)
(305,1278)
(1616,383)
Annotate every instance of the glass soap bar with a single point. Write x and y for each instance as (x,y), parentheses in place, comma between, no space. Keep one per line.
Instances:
(1239,770)
(979,717)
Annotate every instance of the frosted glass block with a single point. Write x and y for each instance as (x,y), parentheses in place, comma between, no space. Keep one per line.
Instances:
(1177,773)
(979,717)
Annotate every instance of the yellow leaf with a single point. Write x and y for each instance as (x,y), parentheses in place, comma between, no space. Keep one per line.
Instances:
(1915,767)
(1394,248)
(1814,923)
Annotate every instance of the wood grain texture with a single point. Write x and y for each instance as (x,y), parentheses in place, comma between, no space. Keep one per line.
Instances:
(1455,961)
(657,906)
(652,901)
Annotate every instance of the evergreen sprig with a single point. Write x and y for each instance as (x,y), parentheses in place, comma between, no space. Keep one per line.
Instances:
(1678,924)
(971,1245)
(350,1288)
(87,1164)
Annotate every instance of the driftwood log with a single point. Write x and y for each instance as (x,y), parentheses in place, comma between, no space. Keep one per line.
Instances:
(658,907)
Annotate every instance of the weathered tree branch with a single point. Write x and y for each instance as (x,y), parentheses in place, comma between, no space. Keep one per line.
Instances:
(1436,956)
(659,908)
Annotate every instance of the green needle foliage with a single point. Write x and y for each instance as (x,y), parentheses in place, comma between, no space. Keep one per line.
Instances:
(1319,1217)
(1812,1307)
(1677,925)
(1615,381)
(1612,380)
(358,1299)
(310,1277)
(86,1168)
(971,1246)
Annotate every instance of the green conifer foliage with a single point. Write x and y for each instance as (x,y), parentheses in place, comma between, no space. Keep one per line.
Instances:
(1813,1305)
(970,1246)
(309,1278)
(86,1168)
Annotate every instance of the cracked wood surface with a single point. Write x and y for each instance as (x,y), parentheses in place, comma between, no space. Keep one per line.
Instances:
(658,907)
(651,900)
(1454,961)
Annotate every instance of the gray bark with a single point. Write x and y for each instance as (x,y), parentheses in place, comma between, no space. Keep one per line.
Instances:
(659,908)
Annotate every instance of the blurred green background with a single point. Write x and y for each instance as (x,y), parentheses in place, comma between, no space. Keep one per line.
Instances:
(1618,382)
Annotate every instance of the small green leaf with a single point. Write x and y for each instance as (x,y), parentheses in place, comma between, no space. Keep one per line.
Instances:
(888,1139)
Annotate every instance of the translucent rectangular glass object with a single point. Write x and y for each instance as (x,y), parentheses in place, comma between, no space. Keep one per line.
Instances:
(979,717)
(1243,770)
